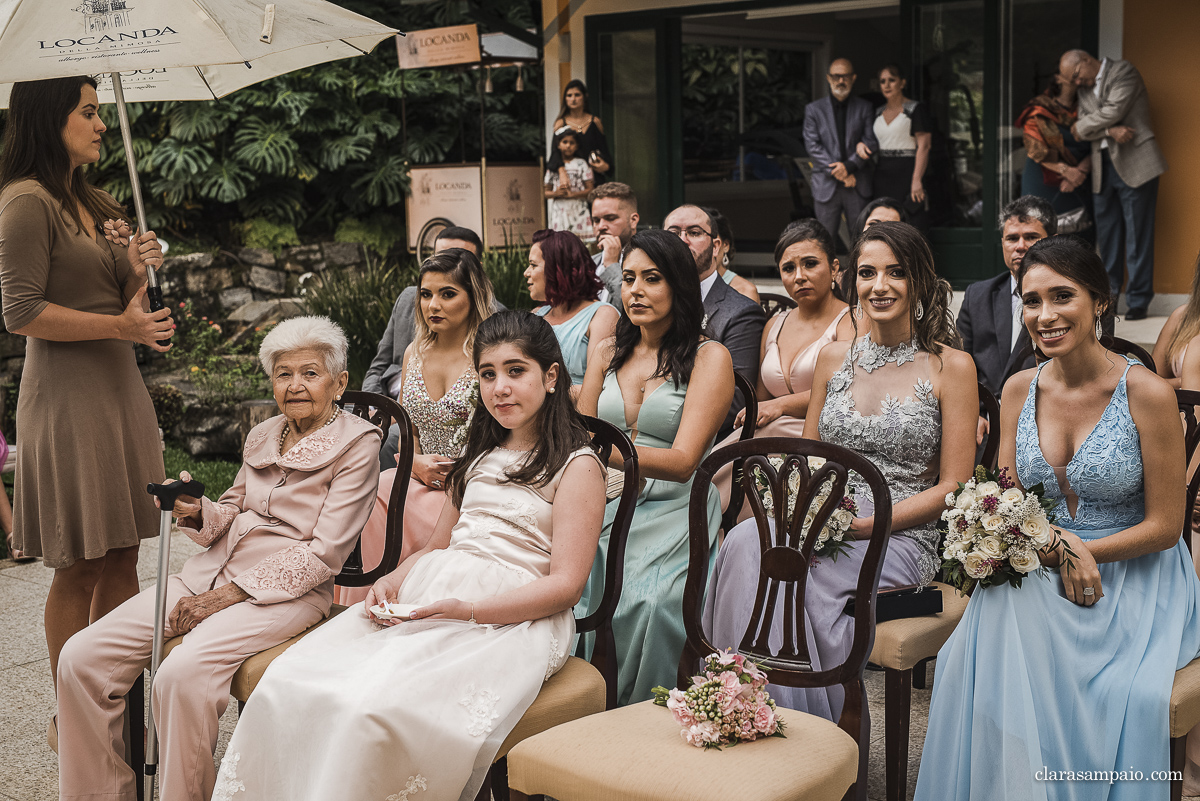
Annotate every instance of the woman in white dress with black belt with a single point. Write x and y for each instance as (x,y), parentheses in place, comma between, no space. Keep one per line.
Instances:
(395,710)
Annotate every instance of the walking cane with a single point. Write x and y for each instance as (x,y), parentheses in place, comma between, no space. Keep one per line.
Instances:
(167,494)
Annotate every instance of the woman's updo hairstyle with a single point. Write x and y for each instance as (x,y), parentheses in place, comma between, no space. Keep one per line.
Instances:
(1073,259)
(935,330)
(561,429)
(807,230)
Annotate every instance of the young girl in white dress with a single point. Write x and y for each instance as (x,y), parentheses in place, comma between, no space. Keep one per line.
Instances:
(416,709)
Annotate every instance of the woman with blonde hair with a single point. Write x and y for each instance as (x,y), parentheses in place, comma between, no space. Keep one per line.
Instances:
(1171,347)
(437,387)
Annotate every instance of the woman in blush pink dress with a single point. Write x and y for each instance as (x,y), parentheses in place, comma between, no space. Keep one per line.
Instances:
(436,390)
(793,338)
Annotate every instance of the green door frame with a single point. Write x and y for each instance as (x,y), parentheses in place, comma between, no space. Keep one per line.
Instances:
(668,42)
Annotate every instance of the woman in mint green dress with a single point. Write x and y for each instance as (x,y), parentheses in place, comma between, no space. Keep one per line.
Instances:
(562,275)
(669,390)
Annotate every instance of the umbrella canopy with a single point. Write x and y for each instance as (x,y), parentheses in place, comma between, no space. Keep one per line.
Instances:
(175,49)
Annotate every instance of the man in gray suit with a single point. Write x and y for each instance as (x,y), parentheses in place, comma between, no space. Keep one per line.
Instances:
(1114,115)
(614,219)
(383,376)
(839,136)
(730,317)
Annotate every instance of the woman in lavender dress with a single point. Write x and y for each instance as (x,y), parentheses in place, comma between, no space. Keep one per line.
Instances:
(902,397)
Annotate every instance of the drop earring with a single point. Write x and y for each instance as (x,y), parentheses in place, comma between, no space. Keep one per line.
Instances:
(858,310)
(920,310)
(1099,329)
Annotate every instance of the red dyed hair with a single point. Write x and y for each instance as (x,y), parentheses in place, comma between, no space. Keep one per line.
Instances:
(570,272)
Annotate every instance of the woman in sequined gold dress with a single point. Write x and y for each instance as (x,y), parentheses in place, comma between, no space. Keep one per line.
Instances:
(904,398)
(437,384)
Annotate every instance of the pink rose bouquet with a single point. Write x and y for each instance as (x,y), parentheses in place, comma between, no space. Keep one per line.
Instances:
(726,705)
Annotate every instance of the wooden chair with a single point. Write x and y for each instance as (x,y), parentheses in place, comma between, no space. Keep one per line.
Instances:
(737,495)
(636,751)
(1127,348)
(382,411)
(772,303)
(904,647)
(1185,692)
(579,689)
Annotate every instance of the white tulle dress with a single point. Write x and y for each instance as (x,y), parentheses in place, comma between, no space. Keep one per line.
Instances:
(416,711)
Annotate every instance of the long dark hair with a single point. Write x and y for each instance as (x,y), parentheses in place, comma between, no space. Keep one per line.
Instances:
(573,84)
(677,356)
(560,427)
(1073,259)
(569,271)
(935,330)
(33,147)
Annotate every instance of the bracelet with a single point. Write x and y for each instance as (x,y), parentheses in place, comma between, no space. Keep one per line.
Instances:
(472,620)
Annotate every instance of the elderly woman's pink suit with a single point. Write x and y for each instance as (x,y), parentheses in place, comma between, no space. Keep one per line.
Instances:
(796,379)
(281,533)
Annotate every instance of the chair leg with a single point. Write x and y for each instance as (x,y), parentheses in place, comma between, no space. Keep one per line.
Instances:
(1178,758)
(897,695)
(514,795)
(135,715)
(920,674)
(498,779)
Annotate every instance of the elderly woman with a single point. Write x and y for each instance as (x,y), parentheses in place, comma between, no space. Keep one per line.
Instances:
(273,543)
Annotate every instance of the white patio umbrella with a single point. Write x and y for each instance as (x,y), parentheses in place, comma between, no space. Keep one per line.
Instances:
(172,50)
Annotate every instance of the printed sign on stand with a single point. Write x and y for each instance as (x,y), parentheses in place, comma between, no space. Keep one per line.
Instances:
(515,205)
(439,47)
(451,192)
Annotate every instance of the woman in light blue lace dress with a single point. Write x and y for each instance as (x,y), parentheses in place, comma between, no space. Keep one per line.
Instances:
(900,396)
(1073,672)
(669,390)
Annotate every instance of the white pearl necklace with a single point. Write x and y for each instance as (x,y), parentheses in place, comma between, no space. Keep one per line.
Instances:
(287,424)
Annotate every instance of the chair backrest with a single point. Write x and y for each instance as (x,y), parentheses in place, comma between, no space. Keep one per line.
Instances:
(986,452)
(1127,348)
(606,437)
(382,411)
(1188,400)
(785,564)
(737,494)
(772,303)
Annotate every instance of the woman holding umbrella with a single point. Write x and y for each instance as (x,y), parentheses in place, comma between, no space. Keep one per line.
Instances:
(88,440)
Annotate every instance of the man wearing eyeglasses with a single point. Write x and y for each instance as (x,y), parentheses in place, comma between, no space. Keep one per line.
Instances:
(730,317)
(1114,115)
(839,135)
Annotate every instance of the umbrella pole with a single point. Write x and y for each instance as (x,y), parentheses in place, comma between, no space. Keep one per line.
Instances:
(153,290)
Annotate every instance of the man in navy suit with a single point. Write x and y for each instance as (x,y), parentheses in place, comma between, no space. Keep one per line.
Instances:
(840,136)
(730,317)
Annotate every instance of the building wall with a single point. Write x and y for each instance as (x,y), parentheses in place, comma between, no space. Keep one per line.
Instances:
(1160,40)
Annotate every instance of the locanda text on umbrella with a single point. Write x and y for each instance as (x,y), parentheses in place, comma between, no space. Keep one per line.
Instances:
(85,41)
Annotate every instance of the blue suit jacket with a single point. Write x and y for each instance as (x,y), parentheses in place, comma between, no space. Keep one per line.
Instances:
(820,139)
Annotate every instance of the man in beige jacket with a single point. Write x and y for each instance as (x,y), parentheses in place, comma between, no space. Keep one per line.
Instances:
(1114,115)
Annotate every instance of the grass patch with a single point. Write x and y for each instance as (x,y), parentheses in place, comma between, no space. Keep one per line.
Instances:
(217,475)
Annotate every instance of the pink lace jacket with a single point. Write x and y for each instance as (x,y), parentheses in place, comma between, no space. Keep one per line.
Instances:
(284,528)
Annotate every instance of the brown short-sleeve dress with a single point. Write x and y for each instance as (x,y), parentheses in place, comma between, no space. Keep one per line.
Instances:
(87,435)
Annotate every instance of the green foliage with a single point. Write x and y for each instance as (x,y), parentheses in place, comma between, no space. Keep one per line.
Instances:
(168,405)
(776,90)
(379,232)
(316,146)
(361,303)
(224,372)
(260,232)
(506,267)
(217,475)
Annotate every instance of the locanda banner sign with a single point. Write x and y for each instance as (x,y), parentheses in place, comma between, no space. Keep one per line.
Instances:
(439,47)
(104,29)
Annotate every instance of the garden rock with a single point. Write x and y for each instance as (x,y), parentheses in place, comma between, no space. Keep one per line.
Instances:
(272,282)
(209,280)
(189,261)
(303,259)
(235,297)
(257,256)
(342,254)
(206,431)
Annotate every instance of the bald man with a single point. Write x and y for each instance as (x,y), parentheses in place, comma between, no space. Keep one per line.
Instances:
(839,135)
